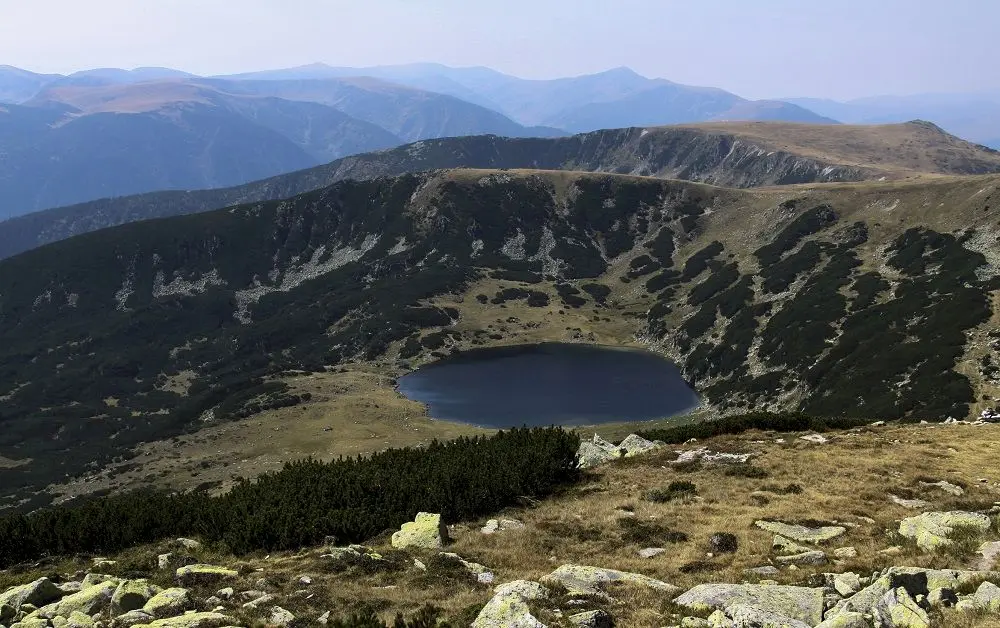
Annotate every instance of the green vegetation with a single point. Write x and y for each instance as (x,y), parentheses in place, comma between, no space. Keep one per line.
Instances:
(351,499)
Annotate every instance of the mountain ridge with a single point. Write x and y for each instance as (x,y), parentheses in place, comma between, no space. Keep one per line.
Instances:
(728,154)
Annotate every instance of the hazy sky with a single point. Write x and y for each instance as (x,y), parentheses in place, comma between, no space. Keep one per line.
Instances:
(756,48)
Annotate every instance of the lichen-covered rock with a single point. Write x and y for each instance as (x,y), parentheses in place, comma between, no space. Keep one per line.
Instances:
(591,619)
(987,597)
(942,597)
(913,504)
(38,593)
(846,552)
(169,602)
(782,545)
(204,574)
(846,620)
(188,544)
(989,553)
(596,451)
(501,525)
(846,584)
(746,616)
(635,445)
(88,601)
(931,530)
(32,622)
(509,606)
(801,603)
(802,534)
(259,601)
(896,609)
(193,620)
(425,531)
(947,487)
(131,618)
(584,580)
(94,579)
(132,595)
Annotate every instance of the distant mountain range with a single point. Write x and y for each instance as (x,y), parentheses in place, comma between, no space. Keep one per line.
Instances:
(110,132)
(975,117)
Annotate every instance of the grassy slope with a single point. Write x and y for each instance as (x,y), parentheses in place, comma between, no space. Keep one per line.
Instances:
(904,149)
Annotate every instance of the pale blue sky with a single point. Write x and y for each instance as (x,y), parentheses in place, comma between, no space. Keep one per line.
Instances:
(756,48)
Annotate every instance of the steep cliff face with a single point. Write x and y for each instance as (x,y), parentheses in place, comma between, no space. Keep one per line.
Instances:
(836,299)
(725,154)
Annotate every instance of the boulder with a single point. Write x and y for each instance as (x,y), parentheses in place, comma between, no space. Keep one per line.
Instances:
(132,595)
(932,530)
(802,534)
(746,616)
(188,544)
(204,574)
(896,609)
(425,531)
(591,619)
(584,580)
(280,617)
(501,525)
(812,557)
(987,597)
(193,620)
(989,552)
(764,570)
(596,451)
(38,593)
(131,618)
(942,597)
(800,603)
(168,602)
(650,552)
(846,620)
(71,586)
(32,622)
(509,606)
(635,445)
(88,601)
(846,584)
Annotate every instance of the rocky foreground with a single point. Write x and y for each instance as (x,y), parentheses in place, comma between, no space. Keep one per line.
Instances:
(880,526)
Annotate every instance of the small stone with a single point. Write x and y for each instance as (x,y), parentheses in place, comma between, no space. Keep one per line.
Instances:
(947,487)
(765,570)
(323,619)
(818,439)
(650,552)
(419,564)
(226,593)
(306,580)
(895,550)
(189,544)
(163,560)
(787,546)
(914,504)
(501,525)
(254,604)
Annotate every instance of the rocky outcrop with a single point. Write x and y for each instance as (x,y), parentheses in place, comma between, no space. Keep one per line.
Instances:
(426,531)
(803,534)
(799,603)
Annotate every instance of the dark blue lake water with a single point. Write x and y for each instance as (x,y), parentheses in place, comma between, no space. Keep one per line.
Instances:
(550,384)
